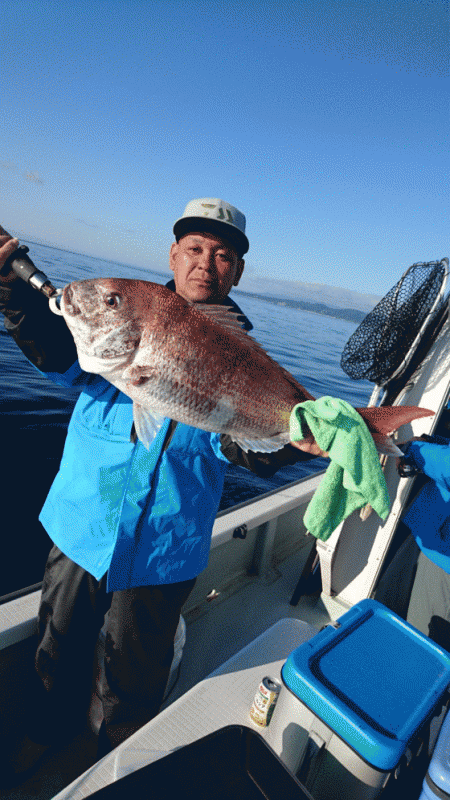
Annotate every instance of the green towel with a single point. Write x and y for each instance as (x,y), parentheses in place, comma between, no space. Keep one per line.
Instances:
(354,476)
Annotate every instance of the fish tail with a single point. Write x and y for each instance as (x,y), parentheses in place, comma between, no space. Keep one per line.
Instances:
(384,420)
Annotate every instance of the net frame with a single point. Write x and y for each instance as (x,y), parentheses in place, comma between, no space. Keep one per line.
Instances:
(388,325)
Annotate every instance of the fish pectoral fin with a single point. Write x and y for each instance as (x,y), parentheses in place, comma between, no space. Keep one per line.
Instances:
(261,445)
(146,423)
(136,375)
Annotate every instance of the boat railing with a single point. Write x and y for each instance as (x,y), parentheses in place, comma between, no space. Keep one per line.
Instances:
(254,521)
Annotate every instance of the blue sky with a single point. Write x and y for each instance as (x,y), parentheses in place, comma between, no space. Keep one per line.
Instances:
(324,121)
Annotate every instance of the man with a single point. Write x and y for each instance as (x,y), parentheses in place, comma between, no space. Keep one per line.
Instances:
(130,532)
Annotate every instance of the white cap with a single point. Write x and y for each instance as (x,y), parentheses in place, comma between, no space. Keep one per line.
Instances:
(211,215)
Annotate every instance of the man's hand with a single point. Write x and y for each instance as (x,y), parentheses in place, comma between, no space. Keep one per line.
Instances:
(309,445)
(7,247)
(423,438)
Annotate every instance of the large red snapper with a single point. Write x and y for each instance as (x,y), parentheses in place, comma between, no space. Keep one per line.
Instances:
(192,363)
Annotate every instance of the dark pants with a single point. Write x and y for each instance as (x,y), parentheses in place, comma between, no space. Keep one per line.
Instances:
(419,591)
(429,607)
(141,627)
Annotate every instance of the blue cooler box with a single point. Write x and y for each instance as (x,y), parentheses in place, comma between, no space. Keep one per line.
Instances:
(437,780)
(353,699)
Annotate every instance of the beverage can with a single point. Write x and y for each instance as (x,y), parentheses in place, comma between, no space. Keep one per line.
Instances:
(264,701)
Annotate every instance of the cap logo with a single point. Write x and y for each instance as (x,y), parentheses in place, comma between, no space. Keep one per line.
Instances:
(220,215)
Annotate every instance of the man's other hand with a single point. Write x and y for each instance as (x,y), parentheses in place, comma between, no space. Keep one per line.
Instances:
(7,247)
(309,445)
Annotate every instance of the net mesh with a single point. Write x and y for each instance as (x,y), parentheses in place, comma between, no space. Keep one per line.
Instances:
(379,345)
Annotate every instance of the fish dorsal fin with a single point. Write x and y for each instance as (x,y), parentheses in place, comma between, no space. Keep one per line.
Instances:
(226,316)
(230,320)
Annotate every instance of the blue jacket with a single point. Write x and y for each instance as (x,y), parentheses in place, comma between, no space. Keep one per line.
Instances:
(145,517)
(428,518)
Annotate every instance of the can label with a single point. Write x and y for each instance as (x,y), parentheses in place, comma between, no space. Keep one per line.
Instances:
(264,702)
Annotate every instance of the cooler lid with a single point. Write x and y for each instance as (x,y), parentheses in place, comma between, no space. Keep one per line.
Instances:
(373,680)
(439,768)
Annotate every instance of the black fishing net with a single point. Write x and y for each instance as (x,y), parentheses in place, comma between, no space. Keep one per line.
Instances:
(380,343)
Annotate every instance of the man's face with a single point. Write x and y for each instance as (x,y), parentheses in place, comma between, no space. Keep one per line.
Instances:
(205,267)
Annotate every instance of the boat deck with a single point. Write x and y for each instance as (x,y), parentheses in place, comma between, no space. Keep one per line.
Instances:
(237,619)
(232,621)
(223,698)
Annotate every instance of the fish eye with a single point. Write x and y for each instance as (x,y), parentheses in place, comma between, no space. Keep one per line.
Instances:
(114,300)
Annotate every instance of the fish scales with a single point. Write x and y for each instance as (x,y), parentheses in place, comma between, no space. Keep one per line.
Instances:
(194,364)
(211,377)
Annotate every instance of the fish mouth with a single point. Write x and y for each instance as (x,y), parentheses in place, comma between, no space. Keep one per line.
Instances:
(69,305)
(81,298)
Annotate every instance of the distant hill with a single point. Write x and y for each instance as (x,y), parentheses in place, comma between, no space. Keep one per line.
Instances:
(333,301)
(332,296)
(351,314)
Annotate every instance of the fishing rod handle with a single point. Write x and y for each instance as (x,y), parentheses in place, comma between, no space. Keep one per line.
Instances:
(406,470)
(24,268)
